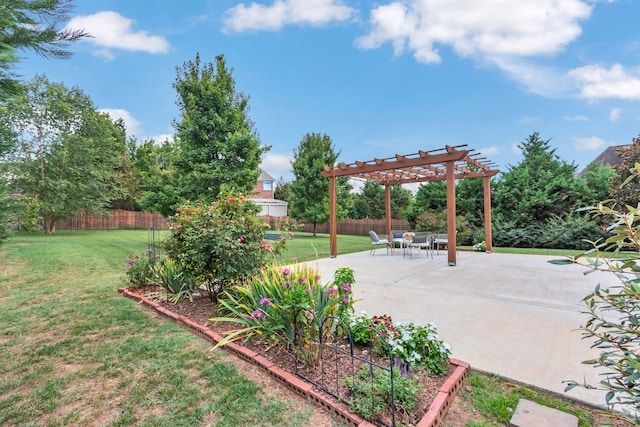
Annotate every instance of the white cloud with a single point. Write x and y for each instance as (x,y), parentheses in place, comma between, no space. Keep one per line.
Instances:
(132,125)
(276,165)
(588,144)
(596,82)
(490,151)
(258,16)
(536,79)
(614,115)
(159,139)
(489,28)
(110,30)
(577,118)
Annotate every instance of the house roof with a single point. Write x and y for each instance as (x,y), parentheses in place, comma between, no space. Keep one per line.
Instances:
(264,176)
(609,156)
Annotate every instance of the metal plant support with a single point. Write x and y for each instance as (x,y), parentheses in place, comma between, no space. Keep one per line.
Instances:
(153,237)
(332,340)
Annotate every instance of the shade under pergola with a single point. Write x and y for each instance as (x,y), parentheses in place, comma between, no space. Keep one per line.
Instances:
(443,164)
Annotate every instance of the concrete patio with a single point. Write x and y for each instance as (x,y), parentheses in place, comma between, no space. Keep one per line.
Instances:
(512,315)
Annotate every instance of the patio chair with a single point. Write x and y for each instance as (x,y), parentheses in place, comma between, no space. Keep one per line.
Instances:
(441,240)
(397,239)
(377,241)
(422,241)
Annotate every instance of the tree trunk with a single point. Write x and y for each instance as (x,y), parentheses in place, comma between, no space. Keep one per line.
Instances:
(49,224)
(314,229)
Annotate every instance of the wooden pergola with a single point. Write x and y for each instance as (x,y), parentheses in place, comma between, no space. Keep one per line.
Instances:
(443,164)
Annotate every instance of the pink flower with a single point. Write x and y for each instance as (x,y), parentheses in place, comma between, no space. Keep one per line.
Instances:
(345,287)
(128,266)
(241,239)
(286,271)
(257,314)
(265,300)
(346,300)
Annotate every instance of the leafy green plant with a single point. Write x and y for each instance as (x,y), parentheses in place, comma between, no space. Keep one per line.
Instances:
(419,345)
(372,391)
(411,344)
(221,243)
(614,313)
(480,247)
(279,301)
(362,329)
(140,268)
(175,279)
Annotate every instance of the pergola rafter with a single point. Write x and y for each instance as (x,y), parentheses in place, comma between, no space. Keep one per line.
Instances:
(445,164)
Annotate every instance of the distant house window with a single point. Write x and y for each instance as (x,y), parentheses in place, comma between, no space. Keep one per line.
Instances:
(266,185)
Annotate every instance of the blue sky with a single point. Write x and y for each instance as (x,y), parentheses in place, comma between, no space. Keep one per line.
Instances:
(379,77)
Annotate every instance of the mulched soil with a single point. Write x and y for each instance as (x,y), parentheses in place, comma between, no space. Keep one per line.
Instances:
(335,362)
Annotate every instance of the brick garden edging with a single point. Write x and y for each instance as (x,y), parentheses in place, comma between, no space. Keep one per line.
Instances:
(433,418)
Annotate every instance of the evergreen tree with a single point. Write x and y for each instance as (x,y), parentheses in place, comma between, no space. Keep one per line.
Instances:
(401,199)
(282,190)
(470,200)
(540,187)
(594,184)
(32,25)
(431,197)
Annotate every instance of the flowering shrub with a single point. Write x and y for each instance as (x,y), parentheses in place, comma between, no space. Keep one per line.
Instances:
(140,268)
(480,247)
(220,243)
(278,299)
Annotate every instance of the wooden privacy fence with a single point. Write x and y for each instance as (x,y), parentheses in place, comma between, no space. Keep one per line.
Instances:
(115,219)
(133,219)
(360,227)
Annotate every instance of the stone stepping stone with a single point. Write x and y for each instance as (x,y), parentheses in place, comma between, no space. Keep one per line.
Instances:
(531,414)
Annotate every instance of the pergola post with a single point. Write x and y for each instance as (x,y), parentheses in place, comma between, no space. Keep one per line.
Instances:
(333,223)
(451,213)
(442,164)
(488,239)
(387,209)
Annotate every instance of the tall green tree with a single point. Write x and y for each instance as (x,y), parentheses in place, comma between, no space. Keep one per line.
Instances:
(594,183)
(540,187)
(372,193)
(309,189)
(470,200)
(26,25)
(628,194)
(32,25)
(401,200)
(430,197)
(158,180)
(219,148)
(282,190)
(68,153)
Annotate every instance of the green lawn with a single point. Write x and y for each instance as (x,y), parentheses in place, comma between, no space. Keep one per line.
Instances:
(76,353)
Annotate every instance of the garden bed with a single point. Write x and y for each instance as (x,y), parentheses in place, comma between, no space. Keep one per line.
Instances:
(278,362)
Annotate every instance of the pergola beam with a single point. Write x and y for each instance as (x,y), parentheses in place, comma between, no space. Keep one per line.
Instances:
(445,164)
